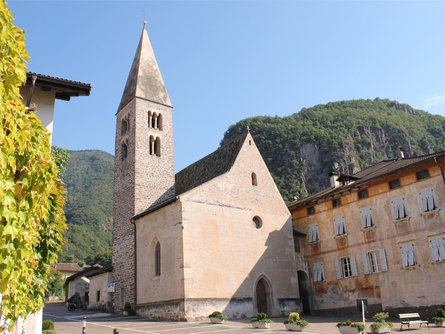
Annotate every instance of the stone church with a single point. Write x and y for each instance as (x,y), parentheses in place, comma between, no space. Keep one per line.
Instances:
(215,236)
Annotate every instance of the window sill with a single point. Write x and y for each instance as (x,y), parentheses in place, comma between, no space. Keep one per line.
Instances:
(323,281)
(395,221)
(430,213)
(416,266)
(438,262)
(156,278)
(314,242)
(341,236)
(368,228)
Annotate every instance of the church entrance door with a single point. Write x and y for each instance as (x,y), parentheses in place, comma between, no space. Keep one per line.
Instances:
(305,291)
(261,296)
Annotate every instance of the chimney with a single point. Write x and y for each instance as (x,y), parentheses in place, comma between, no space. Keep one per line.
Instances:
(333,178)
(401,155)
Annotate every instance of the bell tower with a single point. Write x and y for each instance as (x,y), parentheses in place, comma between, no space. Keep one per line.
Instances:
(144,161)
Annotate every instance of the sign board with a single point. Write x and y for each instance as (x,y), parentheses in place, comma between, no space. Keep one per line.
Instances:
(111,287)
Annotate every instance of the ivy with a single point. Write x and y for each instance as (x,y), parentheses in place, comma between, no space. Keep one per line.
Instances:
(31,194)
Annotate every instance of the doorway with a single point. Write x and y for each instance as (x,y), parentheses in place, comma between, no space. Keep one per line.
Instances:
(261,293)
(304,288)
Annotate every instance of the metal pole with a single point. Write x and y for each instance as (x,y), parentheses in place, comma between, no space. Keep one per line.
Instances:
(363,314)
(84,328)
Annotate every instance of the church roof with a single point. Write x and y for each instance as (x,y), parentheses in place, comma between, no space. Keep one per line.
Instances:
(202,171)
(145,79)
(209,167)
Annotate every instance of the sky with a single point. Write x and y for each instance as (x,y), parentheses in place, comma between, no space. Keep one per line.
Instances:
(224,61)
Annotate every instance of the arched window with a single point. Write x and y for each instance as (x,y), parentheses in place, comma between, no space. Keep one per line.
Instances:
(153,120)
(158,259)
(124,126)
(254,180)
(160,121)
(123,151)
(158,147)
(152,145)
(257,222)
(150,116)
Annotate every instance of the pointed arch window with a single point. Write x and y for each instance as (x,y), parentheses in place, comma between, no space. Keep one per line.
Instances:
(158,147)
(150,116)
(152,145)
(254,179)
(154,120)
(124,151)
(124,126)
(159,121)
(158,259)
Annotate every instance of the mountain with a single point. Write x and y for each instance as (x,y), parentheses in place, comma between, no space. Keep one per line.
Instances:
(88,181)
(346,136)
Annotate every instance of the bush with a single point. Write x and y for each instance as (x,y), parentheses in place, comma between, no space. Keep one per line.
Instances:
(47,324)
(128,309)
(261,318)
(380,317)
(360,326)
(294,318)
(440,313)
(49,331)
(218,315)
(378,325)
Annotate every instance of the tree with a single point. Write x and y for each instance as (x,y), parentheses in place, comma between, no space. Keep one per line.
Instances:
(31,194)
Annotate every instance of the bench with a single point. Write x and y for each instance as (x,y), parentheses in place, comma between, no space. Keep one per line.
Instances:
(408,319)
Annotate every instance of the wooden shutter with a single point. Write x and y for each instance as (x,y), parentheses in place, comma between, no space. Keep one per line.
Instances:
(366,263)
(353,265)
(441,247)
(411,256)
(395,213)
(435,249)
(338,268)
(404,256)
(383,263)
(424,199)
(430,200)
(321,272)
(363,216)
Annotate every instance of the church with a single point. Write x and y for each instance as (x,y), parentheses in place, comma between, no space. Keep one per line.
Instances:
(215,236)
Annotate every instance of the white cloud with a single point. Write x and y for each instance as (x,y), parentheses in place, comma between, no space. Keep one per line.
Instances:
(433,100)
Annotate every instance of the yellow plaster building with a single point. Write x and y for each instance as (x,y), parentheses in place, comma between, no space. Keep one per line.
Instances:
(377,235)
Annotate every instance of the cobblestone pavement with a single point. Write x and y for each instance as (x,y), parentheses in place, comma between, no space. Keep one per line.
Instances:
(100,323)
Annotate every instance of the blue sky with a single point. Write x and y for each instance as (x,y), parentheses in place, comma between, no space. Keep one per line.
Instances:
(223,61)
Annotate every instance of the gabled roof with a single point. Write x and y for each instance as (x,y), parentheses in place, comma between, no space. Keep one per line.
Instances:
(64,88)
(84,272)
(380,170)
(145,79)
(202,171)
(209,167)
(74,267)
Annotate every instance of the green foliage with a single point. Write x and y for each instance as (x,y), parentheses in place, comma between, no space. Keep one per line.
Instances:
(294,318)
(440,316)
(376,326)
(218,315)
(359,325)
(301,149)
(440,312)
(49,331)
(61,157)
(47,324)
(380,317)
(128,309)
(31,195)
(261,318)
(56,285)
(89,209)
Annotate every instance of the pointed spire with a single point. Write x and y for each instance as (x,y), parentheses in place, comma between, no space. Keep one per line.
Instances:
(145,79)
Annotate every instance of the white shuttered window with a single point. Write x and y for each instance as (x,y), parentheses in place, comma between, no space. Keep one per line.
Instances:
(313,233)
(366,216)
(339,225)
(346,267)
(438,249)
(408,256)
(374,261)
(428,201)
(318,272)
(399,208)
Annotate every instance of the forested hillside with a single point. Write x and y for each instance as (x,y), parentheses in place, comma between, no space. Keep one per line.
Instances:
(89,208)
(301,149)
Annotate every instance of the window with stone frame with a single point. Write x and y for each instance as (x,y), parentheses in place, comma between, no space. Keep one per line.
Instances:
(254,179)
(374,261)
(124,151)
(346,267)
(408,256)
(438,248)
(366,217)
(158,259)
(428,200)
(318,272)
(399,208)
(339,225)
(313,233)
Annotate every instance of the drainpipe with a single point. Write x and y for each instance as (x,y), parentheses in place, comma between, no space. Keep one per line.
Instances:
(135,263)
(441,168)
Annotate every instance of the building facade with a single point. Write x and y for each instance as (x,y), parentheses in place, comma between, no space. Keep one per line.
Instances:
(215,236)
(377,235)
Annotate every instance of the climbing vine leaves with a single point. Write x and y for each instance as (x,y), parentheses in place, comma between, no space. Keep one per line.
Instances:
(31,195)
